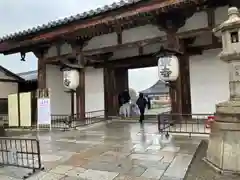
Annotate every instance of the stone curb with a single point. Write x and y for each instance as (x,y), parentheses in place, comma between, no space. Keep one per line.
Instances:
(194,156)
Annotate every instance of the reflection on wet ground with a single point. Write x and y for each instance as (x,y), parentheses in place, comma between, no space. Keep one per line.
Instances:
(114,151)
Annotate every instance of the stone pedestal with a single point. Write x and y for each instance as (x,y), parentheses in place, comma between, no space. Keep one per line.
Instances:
(224,143)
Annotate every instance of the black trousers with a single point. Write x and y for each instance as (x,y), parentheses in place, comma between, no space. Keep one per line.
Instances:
(141,117)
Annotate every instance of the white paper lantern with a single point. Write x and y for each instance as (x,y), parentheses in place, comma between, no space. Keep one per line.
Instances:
(168,68)
(70,79)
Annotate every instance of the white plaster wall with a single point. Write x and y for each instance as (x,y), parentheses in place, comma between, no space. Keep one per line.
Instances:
(209,81)
(94,89)
(221,14)
(7,88)
(4,76)
(203,39)
(60,100)
(198,20)
(124,53)
(102,41)
(140,33)
(152,48)
(133,51)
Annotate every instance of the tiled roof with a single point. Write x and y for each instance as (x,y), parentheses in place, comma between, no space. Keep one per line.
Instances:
(9,73)
(158,88)
(70,19)
(29,76)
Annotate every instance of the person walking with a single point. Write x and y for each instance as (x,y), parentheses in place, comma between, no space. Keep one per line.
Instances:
(142,103)
(148,102)
(126,103)
(120,104)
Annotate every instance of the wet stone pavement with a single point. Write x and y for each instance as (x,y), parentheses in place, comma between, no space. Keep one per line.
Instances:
(114,151)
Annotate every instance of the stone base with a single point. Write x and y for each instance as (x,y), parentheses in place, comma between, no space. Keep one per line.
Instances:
(217,169)
(224,144)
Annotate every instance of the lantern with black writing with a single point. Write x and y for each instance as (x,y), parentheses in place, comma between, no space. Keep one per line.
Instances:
(70,79)
(168,68)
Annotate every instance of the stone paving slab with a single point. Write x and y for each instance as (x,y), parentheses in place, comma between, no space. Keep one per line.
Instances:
(181,160)
(118,151)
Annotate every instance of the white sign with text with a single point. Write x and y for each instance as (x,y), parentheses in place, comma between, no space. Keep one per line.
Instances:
(44,111)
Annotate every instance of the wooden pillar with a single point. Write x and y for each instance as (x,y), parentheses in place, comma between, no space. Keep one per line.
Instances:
(41,69)
(110,92)
(185,84)
(173,97)
(108,89)
(80,95)
(121,79)
(77,46)
(178,89)
(180,94)
(175,92)
(72,93)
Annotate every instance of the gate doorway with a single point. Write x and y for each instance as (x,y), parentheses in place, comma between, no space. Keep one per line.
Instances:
(146,81)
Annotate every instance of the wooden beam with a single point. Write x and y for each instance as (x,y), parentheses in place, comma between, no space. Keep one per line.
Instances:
(140,50)
(212,23)
(139,44)
(193,50)
(120,46)
(9,80)
(118,30)
(206,47)
(145,42)
(39,53)
(119,37)
(234,3)
(136,61)
(148,60)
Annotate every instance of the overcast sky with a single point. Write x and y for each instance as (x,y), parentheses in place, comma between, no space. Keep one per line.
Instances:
(23,14)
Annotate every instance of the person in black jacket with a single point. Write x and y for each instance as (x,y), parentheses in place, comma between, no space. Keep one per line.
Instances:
(120,103)
(142,103)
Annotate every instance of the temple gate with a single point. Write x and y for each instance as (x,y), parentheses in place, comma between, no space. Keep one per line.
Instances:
(119,37)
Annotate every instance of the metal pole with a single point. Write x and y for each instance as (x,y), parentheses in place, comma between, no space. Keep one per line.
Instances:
(72,103)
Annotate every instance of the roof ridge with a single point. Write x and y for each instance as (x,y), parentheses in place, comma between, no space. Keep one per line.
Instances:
(158,84)
(26,72)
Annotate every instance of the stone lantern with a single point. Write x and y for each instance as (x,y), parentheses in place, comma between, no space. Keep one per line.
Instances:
(224,143)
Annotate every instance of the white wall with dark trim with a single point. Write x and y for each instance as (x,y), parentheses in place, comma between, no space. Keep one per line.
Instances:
(60,100)
(209,81)
(7,88)
(94,89)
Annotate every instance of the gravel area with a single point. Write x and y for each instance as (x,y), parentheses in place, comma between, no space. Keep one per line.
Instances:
(199,170)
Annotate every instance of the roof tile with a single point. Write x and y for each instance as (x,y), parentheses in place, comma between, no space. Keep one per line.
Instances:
(66,20)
